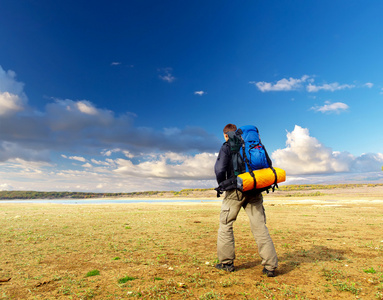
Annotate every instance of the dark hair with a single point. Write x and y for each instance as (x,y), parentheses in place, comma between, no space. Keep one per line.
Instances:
(229,127)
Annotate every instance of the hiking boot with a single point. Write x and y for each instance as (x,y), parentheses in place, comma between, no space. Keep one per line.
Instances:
(268,272)
(225,267)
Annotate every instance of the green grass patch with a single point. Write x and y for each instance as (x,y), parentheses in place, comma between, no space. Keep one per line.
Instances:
(346,287)
(126,279)
(314,194)
(370,271)
(210,295)
(158,278)
(92,273)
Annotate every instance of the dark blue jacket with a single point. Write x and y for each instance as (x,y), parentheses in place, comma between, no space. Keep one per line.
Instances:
(223,166)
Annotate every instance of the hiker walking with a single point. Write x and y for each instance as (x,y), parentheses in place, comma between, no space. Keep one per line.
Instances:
(252,202)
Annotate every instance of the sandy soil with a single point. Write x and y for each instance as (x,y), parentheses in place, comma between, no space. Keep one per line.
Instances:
(329,247)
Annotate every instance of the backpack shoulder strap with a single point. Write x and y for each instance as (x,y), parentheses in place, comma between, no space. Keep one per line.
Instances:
(235,143)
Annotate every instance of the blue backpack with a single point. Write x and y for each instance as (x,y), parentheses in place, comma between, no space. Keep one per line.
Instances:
(248,154)
(253,152)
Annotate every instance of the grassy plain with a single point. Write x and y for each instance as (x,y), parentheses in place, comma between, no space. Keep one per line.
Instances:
(330,246)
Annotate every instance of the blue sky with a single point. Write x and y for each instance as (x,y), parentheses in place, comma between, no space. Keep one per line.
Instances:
(122,96)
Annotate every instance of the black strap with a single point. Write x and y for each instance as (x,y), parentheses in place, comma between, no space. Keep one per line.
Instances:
(274,185)
(235,143)
(248,162)
(228,184)
(219,192)
(275,175)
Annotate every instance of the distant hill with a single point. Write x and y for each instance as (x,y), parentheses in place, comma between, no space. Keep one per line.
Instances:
(189,193)
(303,190)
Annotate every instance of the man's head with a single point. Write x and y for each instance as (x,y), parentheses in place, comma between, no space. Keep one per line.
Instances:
(227,128)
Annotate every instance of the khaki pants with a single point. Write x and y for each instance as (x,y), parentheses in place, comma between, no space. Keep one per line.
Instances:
(253,205)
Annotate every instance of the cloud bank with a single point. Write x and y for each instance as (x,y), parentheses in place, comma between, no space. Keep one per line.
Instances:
(306,155)
(97,150)
(79,126)
(305,159)
(171,166)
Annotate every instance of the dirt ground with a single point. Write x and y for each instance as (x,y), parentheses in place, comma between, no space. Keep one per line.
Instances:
(329,247)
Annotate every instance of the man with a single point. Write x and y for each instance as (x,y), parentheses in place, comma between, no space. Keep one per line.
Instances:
(252,202)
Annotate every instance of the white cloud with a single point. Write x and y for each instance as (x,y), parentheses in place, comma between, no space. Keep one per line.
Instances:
(128,154)
(171,165)
(284,84)
(78,158)
(110,152)
(293,84)
(5,187)
(115,63)
(87,108)
(10,104)
(329,107)
(199,93)
(306,155)
(8,83)
(12,96)
(368,162)
(166,74)
(328,87)
(75,116)
(369,84)
(36,166)
(100,162)
(107,153)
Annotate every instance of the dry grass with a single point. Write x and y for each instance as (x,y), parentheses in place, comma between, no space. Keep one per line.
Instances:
(327,250)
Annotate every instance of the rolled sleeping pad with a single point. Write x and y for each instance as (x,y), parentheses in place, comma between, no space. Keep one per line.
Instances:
(264,177)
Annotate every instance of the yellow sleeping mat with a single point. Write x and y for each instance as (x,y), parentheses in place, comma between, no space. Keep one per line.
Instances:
(263,177)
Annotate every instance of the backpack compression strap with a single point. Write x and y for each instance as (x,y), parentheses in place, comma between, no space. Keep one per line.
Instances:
(247,162)
(275,184)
